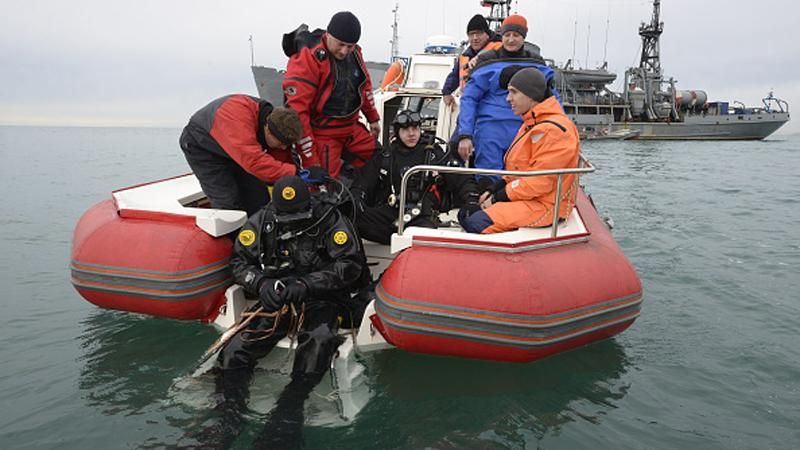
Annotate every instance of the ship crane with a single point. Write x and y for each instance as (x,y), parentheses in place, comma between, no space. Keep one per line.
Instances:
(498,11)
(650,33)
(643,83)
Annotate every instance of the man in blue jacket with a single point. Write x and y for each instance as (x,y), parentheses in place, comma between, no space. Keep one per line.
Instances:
(486,123)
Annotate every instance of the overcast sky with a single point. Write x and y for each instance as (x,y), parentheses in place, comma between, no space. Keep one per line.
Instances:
(154,62)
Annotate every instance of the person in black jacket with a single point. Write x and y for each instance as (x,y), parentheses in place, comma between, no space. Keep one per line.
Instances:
(302,259)
(377,188)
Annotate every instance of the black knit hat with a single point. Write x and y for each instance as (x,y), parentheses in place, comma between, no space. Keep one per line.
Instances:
(478,23)
(531,82)
(345,27)
(291,199)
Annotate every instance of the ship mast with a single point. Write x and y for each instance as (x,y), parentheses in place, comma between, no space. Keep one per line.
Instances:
(643,84)
(252,55)
(498,11)
(650,33)
(395,52)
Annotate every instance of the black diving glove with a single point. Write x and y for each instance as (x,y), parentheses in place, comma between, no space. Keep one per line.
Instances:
(295,291)
(500,196)
(500,185)
(359,199)
(269,295)
(499,192)
(472,205)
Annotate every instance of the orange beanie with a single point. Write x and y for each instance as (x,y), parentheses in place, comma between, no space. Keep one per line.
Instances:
(516,23)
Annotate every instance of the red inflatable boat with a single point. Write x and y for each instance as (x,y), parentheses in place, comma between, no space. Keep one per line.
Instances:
(516,296)
(149,250)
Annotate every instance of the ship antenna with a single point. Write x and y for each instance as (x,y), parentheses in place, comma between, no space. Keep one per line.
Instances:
(252,57)
(575,34)
(608,24)
(588,35)
(395,38)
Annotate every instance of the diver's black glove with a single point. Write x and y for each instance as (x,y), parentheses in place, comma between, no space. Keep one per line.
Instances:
(360,200)
(500,185)
(295,291)
(500,196)
(472,205)
(499,192)
(269,295)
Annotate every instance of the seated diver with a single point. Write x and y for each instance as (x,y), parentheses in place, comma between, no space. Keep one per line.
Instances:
(302,259)
(377,188)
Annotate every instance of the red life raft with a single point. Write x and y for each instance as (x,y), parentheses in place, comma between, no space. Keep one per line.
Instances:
(491,297)
(144,251)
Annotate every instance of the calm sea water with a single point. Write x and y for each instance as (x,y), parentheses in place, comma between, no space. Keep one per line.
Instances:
(713,362)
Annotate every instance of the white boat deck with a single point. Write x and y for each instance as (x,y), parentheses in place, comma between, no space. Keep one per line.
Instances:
(523,239)
(170,197)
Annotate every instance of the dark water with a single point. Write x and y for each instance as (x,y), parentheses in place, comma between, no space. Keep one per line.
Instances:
(713,362)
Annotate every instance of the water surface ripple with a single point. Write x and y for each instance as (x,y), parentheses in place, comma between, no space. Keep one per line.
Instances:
(712,228)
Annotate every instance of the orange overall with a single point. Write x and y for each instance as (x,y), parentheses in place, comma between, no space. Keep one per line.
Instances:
(547,140)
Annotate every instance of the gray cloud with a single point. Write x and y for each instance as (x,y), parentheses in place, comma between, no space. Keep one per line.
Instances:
(155,62)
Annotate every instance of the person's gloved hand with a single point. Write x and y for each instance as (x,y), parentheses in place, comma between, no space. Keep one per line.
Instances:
(472,205)
(269,295)
(359,199)
(313,175)
(295,291)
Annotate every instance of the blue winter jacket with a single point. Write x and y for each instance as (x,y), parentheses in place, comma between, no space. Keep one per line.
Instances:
(484,100)
(485,115)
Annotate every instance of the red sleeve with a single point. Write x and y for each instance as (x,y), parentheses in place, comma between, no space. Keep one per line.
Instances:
(300,85)
(233,129)
(368,103)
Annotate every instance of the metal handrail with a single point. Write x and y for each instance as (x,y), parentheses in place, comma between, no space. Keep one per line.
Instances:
(584,166)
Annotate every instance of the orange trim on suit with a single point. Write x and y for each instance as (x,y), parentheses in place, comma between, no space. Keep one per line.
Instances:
(463,62)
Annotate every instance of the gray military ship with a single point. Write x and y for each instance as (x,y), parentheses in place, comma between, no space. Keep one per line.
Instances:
(650,106)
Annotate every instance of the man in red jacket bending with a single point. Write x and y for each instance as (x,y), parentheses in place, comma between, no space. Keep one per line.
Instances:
(237,145)
(327,83)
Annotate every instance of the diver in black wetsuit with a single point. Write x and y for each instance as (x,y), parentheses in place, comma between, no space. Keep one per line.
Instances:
(377,187)
(297,255)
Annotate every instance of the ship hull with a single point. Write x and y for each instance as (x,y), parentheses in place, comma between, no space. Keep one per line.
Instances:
(725,127)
